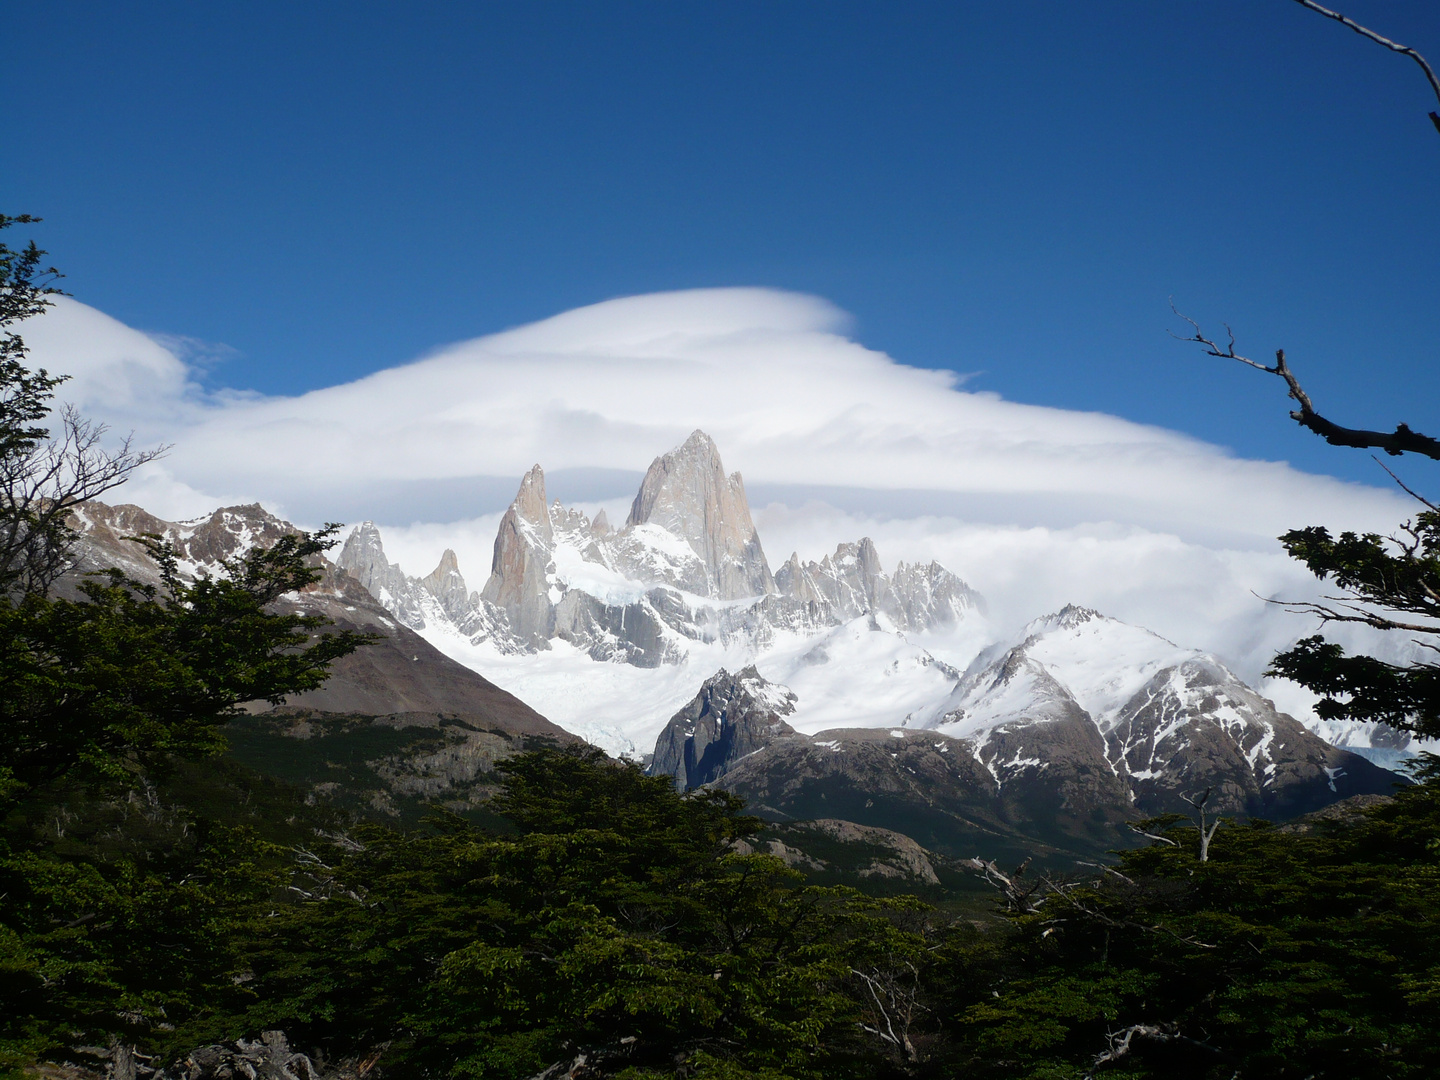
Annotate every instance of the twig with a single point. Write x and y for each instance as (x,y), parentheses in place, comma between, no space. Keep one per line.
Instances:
(1403,487)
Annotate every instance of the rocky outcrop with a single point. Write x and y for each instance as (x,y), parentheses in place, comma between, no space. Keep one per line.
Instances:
(849,851)
(852,582)
(899,856)
(519,584)
(686,567)
(731,718)
(687,493)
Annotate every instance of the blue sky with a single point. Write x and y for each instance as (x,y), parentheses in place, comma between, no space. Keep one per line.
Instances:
(1012,190)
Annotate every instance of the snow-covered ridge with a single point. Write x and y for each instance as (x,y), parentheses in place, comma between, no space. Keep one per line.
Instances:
(684,586)
(1156,712)
(609,631)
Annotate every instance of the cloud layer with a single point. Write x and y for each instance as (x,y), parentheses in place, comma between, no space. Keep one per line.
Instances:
(1036,506)
(789,399)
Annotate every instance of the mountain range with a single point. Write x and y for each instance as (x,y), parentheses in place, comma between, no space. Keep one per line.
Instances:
(826,689)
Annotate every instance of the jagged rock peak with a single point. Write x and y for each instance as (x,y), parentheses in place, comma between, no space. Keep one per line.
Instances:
(363,558)
(446,576)
(529,505)
(1070,616)
(687,493)
(523,546)
(730,718)
(446,584)
(601,525)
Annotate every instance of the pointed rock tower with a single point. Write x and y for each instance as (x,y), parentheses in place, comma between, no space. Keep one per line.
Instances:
(687,493)
(363,558)
(446,584)
(518,584)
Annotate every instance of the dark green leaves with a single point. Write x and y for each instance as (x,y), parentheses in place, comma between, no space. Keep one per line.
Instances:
(135,670)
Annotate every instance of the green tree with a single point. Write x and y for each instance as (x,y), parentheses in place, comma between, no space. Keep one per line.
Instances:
(112,941)
(43,475)
(133,671)
(1290,952)
(618,923)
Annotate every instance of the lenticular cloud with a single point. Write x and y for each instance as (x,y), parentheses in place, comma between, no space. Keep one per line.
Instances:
(1036,507)
(791,400)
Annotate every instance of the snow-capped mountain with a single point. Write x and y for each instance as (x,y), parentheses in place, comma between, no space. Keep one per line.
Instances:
(1028,768)
(610,631)
(687,567)
(682,588)
(1163,719)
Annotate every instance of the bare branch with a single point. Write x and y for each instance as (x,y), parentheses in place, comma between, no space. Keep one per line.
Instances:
(1403,486)
(1400,441)
(1120,1040)
(1112,871)
(1150,835)
(41,483)
(1393,46)
(894,1005)
(1357,615)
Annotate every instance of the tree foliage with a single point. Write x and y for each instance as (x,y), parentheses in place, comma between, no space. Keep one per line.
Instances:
(1286,953)
(134,670)
(617,923)
(43,474)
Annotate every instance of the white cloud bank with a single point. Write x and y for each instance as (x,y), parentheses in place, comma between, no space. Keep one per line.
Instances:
(1036,506)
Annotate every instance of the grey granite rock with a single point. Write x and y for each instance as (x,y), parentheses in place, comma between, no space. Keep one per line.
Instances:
(687,493)
(731,718)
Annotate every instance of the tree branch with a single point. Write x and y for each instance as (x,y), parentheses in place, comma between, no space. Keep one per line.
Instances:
(1360,615)
(1400,441)
(1393,46)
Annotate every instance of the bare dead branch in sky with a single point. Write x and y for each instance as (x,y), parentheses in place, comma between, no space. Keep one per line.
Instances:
(1400,441)
(1393,46)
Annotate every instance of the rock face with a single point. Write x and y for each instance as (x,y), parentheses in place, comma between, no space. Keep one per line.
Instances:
(400,673)
(861,850)
(200,545)
(519,582)
(363,557)
(1085,696)
(687,493)
(903,857)
(447,586)
(731,718)
(686,568)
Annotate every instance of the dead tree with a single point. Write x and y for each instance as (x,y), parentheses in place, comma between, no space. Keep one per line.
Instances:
(1206,835)
(894,992)
(1021,897)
